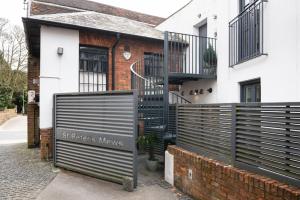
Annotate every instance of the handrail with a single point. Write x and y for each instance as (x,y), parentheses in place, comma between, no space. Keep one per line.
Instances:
(174,93)
(155,85)
(246,9)
(131,69)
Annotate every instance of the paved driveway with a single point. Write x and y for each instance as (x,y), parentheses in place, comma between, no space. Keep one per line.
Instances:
(22,174)
(73,186)
(14,131)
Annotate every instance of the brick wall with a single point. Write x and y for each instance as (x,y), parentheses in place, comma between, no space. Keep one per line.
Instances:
(212,180)
(122,69)
(46,143)
(32,108)
(7,114)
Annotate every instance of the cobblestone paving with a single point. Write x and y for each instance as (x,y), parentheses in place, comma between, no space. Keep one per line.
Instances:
(22,174)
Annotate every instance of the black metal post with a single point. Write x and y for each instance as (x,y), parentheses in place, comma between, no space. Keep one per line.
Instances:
(166,78)
(233,134)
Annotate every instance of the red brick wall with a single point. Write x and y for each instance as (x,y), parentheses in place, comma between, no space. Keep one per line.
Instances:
(32,108)
(7,114)
(122,69)
(46,143)
(212,180)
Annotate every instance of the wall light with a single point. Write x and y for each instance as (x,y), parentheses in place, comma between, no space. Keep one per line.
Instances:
(210,90)
(196,92)
(60,51)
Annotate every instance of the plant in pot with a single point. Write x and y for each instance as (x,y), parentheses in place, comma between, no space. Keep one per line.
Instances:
(149,141)
(210,59)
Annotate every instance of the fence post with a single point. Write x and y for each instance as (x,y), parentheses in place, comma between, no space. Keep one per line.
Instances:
(176,123)
(166,78)
(233,133)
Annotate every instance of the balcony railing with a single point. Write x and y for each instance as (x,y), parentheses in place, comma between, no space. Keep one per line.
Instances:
(246,34)
(191,55)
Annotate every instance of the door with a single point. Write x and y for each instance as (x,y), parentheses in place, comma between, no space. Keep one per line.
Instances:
(202,45)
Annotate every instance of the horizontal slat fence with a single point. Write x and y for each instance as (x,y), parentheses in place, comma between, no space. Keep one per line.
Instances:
(260,137)
(268,137)
(205,129)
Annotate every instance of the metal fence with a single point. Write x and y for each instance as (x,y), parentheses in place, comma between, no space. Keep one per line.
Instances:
(95,134)
(260,137)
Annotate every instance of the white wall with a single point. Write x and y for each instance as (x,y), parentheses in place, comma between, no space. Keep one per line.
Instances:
(57,73)
(279,71)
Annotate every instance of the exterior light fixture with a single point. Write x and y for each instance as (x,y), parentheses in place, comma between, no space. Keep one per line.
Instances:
(210,90)
(191,92)
(60,51)
(196,92)
(182,93)
(127,53)
(201,91)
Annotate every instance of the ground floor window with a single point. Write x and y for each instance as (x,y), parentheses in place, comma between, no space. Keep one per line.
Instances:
(93,67)
(251,91)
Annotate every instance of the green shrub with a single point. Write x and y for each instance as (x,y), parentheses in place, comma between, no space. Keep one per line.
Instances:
(148,140)
(210,57)
(5,97)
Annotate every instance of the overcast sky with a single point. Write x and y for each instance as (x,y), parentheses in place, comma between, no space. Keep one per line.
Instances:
(13,9)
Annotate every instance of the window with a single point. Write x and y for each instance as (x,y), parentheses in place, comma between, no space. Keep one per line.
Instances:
(246,32)
(251,91)
(244,4)
(153,65)
(93,66)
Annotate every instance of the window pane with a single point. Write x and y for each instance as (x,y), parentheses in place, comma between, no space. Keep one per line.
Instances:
(248,92)
(93,69)
(257,93)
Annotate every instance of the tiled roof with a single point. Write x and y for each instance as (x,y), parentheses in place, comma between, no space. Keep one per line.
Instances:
(104,22)
(93,6)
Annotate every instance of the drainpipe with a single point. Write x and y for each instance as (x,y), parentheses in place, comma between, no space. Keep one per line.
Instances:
(113,52)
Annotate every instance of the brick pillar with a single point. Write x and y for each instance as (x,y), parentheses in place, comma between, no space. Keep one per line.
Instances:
(31,125)
(46,143)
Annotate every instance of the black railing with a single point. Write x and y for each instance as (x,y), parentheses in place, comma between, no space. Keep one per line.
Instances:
(175,98)
(191,54)
(246,34)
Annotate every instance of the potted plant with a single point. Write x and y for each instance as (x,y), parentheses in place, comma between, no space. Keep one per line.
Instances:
(149,141)
(210,59)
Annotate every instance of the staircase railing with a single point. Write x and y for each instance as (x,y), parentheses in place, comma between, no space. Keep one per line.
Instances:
(148,78)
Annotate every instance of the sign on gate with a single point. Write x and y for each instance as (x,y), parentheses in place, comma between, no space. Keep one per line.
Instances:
(95,134)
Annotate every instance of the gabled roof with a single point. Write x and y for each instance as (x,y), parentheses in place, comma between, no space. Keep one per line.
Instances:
(103,22)
(48,6)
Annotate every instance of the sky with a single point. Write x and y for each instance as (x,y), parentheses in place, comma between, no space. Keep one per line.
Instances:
(13,10)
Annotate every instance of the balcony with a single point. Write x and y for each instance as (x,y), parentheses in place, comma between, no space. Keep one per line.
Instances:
(190,57)
(246,34)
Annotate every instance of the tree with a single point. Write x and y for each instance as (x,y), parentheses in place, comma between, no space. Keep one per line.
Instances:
(13,60)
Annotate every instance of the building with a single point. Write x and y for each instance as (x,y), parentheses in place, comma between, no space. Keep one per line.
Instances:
(257,48)
(218,52)
(80,46)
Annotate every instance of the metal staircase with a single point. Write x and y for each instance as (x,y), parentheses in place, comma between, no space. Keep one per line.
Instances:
(153,108)
(185,57)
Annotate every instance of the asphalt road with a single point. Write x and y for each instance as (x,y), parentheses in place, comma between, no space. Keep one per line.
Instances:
(14,131)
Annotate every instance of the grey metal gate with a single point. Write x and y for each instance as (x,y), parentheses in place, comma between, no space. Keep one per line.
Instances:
(95,134)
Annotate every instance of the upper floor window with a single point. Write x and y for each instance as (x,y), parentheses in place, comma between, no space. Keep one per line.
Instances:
(93,66)
(244,4)
(246,32)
